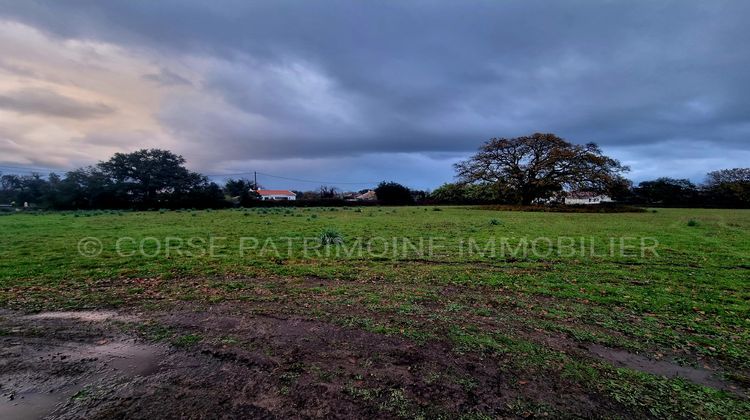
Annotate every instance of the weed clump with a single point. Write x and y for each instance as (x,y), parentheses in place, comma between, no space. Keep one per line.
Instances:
(331,237)
(692,223)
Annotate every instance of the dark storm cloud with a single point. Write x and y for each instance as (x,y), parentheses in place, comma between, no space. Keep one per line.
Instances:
(166,77)
(424,77)
(45,102)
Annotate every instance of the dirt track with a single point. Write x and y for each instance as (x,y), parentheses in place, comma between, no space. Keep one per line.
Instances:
(74,365)
(230,363)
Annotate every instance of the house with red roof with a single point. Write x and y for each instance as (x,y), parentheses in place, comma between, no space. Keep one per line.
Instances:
(280,195)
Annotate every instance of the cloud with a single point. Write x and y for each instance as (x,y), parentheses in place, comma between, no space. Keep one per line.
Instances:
(275,82)
(49,103)
(166,77)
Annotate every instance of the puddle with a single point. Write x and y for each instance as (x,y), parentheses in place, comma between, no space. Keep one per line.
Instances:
(69,368)
(129,359)
(622,358)
(93,316)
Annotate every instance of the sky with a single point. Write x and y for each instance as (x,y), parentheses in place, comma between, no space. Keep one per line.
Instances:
(349,93)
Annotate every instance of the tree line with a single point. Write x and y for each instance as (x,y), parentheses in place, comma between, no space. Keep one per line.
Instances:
(543,168)
(726,188)
(154,179)
(536,169)
(143,179)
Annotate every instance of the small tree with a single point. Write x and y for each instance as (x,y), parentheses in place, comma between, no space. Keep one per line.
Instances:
(393,193)
(238,187)
(537,166)
(450,193)
(243,190)
(327,193)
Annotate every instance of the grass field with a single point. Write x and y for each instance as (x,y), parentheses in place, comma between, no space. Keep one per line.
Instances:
(631,314)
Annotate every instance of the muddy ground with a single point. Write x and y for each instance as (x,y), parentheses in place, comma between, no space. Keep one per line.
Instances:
(226,361)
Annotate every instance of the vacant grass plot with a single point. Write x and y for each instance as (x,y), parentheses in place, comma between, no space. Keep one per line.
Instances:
(396,312)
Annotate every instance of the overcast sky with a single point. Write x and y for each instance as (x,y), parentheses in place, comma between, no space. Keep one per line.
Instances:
(355,91)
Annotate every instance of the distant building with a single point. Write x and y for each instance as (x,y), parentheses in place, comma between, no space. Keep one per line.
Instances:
(280,195)
(368,196)
(350,196)
(586,197)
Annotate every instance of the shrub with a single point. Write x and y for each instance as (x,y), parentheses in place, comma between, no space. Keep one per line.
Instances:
(692,223)
(331,237)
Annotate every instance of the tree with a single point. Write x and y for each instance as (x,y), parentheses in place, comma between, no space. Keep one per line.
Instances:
(244,190)
(33,189)
(149,177)
(537,166)
(667,191)
(450,193)
(620,189)
(328,192)
(419,196)
(205,195)
(457,193)
(238,187)
(393,193)
(728,176)
(87,188)
(729,187)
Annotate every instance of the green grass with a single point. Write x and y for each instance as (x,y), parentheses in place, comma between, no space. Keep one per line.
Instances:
(692,298)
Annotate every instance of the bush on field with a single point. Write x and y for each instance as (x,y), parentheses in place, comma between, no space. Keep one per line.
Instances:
(331,237)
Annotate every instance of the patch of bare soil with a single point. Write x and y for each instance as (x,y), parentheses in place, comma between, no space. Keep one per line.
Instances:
(236,364)
(46,362)
(303,367)
(666,368)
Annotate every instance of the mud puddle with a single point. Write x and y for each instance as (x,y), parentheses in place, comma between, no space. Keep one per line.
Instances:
(623,358)
(92,316)
(38,374)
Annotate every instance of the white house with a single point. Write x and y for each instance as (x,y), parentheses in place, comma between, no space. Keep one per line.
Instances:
(585,197)
(368,196)
(280,195)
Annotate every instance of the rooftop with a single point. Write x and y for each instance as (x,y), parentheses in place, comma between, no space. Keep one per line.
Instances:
(275,192)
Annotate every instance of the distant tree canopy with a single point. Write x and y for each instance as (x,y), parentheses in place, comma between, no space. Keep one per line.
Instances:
(242,190)
(667,191)
(459,193)
(503,171)
(730,187)
(393,193)
(238,187)
(148,178)
(537,166)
